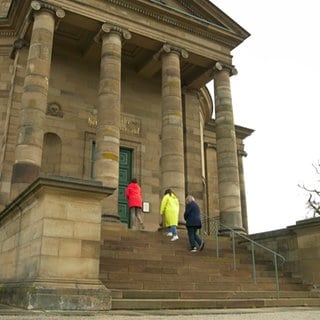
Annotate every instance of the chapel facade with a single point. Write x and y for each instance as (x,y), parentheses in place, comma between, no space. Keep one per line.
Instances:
(107,90)
(94,93)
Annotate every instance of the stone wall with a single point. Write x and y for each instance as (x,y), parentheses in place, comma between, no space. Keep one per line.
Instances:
(50,246)
(300,245)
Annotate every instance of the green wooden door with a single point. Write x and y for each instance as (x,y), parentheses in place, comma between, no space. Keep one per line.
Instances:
(125,165)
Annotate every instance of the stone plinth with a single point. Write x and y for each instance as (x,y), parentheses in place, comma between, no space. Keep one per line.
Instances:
(299,244)
(308,238)
(50,246)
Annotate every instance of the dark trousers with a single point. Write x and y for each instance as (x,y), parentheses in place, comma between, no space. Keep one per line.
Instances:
(136,216)
(193,237)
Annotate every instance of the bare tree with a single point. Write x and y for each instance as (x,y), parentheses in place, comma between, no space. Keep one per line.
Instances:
(313,202)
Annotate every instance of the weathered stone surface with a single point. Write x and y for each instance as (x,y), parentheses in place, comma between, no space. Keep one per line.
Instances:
(59,250)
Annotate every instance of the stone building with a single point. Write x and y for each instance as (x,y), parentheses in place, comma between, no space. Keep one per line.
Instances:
(88,86)
(106,90)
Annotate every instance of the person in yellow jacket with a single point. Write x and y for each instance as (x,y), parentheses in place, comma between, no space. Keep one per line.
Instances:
(169,209)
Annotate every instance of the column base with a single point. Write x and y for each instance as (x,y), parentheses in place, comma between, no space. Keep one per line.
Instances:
(232,220)
(110,218)
(56,296)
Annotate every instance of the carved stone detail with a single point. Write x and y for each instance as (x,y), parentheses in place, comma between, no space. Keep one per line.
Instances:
(167,48)
(38,5)
(130,125)
(107,28)
(219,66)
(92,119)
(54,110)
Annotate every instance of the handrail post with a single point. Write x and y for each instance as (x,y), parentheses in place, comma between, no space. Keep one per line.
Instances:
(277,276)
(234,251)
(216,230)
(253,264)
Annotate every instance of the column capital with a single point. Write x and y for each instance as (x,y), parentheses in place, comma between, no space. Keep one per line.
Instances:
(108,28)
(167,48)
(40,5)
(219,66)
(35,6)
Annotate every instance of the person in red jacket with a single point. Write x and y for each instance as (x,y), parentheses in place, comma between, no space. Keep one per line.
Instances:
(134,197)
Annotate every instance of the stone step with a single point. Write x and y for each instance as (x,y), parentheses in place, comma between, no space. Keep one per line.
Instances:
(157,239)
(118,259)
(145,304)
(195,271)
(222,285)
(174,294)
(199,271)
(157,245)
(145,270)
(170,252)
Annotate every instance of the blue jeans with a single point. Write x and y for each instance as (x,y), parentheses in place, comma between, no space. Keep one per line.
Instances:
(193,237)
(173,229)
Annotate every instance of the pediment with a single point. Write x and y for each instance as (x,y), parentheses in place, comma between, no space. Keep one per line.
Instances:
(205,12)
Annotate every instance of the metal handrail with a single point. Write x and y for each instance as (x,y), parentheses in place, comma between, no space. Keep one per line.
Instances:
(218,224)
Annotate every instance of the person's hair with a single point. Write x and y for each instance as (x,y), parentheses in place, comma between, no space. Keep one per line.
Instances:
(134,180)
(169,191)
(189,198)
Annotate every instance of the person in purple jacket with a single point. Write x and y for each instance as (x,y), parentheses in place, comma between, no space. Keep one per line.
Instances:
(192,217)
(134,197)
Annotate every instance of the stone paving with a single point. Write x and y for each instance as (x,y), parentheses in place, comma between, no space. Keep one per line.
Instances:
(216,314)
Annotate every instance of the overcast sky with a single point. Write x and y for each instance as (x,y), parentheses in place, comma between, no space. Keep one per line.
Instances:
(276,93)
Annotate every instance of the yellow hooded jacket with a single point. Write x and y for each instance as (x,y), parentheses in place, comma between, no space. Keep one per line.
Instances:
(170,209)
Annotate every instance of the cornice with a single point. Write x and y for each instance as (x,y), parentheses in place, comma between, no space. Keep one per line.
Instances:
(190,23)
(153,11)
(177,20)
(7,34)
(9,25)
(241,132)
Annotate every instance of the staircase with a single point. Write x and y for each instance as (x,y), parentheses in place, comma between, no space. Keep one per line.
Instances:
(145,270)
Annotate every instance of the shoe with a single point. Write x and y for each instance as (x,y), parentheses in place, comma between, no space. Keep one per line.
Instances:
(201,246)
(174,238)
(194,249)
(169,234)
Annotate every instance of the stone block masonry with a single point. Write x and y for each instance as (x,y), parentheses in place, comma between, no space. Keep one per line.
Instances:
(50,246)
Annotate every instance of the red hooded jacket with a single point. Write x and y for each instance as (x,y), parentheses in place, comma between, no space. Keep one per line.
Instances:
(134,195)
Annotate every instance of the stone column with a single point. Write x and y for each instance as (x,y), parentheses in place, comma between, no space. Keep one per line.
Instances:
(244,214)
(106,165)
(28,152)
(172,148)
(228,171)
